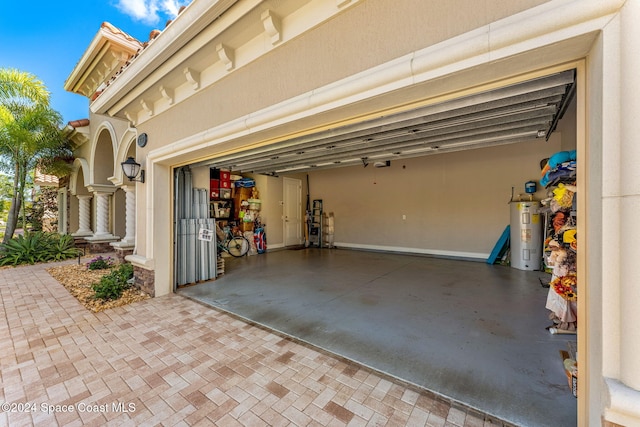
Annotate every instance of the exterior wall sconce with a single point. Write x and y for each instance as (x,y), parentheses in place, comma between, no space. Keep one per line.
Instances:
(131,170)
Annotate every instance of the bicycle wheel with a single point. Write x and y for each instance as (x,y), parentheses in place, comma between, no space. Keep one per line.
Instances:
(238,246)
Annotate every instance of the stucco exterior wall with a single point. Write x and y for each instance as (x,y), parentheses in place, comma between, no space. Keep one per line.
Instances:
(368,34)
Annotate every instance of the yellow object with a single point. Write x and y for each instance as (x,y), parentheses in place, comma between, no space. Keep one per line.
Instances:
(569,236)
(563,195)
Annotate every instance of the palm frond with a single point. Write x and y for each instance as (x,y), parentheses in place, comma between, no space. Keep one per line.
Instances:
(21,85)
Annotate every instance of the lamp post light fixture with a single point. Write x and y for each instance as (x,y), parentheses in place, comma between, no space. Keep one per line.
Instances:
(131,169)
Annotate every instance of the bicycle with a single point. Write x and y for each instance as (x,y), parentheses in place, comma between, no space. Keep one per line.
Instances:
(233,244)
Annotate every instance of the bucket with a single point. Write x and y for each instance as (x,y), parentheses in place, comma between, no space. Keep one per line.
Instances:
(254,204)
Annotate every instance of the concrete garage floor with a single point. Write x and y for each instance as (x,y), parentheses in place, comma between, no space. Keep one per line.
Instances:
(469,331)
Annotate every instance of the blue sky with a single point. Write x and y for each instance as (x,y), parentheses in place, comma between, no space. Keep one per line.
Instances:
(47,37)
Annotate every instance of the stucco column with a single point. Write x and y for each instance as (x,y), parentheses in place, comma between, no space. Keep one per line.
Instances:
(128,241)
(102,215)
(84,216)
(130,220)
(630,196)
(621,191)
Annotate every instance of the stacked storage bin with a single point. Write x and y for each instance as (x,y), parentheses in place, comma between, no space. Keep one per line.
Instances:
(219,184)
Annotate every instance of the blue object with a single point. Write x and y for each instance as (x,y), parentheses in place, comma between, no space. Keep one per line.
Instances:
(530,187)
(245,183)
(260,239)
(561,157)
(501,246)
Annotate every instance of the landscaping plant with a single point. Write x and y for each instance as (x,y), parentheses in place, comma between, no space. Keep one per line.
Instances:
(113,284)
(100,263)
(33,247)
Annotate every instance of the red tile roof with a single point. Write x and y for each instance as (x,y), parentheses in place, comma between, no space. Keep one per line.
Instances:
(152,35)
(117,31)
(78,123)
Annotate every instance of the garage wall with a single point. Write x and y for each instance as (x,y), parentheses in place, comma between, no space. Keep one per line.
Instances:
(455,203)
(200,177)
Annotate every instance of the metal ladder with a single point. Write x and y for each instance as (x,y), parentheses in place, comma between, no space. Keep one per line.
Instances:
(315,224)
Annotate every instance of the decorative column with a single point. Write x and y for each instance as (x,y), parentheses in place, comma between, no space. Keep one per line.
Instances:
(620,284)
(84,217)
(102,221)
(103,205)
(128,241)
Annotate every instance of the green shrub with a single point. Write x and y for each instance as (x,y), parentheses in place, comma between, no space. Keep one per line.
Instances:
(62,247)
(113,284)
(100,263)
(23,249)
(33,247)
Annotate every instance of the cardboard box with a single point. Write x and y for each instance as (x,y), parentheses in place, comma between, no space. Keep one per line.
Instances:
(243,193)
(246,226)
(572,377)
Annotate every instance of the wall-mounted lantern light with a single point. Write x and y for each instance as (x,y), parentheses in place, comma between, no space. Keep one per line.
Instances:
(131,170)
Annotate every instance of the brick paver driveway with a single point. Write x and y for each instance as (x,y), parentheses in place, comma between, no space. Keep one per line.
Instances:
(171,361)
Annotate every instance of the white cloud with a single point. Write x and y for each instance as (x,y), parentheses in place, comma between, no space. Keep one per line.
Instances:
(150,11)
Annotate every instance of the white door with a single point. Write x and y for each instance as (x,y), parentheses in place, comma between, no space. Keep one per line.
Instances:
(292,212)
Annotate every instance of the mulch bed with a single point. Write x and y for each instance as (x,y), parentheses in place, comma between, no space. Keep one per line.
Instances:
(78,280)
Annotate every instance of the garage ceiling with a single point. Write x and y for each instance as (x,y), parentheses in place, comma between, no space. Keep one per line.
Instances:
(511,114)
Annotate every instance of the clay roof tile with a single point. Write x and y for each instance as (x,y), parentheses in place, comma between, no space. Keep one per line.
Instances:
(79,123)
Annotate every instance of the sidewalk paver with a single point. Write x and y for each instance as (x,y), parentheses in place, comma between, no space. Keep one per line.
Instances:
(171,361)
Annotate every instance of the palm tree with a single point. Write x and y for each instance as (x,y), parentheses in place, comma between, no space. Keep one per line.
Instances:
(23,86)
(30,134)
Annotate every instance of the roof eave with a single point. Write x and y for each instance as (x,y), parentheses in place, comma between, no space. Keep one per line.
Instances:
(103,38)
(196,17)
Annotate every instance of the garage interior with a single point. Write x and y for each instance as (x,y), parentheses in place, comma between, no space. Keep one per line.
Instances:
(420,197)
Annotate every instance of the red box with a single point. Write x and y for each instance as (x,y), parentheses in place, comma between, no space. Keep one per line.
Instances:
(225,183)
(225,176)
(214,183)
(214,193)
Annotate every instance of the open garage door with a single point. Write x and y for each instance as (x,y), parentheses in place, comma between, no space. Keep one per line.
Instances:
(521,112)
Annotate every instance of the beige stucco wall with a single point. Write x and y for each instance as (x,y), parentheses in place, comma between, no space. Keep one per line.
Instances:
(119,214)
(455,203)
(110,132)
(368,34)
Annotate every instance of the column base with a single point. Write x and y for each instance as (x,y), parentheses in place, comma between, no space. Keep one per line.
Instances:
(144,280)
(122,253)
(102,238)
(623,404)
(123,244)
(100,244)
